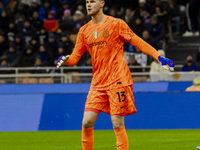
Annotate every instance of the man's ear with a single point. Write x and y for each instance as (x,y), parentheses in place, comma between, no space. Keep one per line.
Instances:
(102,3)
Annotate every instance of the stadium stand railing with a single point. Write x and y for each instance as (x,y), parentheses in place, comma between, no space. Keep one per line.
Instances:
(43,75)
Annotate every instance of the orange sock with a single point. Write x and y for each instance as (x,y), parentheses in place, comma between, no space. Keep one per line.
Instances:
(122,138)
(87,138)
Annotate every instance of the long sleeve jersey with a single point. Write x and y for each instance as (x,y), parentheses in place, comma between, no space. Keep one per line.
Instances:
(104,42)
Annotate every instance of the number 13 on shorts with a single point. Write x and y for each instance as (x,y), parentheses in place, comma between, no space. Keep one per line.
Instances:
(122,100)
(121,96)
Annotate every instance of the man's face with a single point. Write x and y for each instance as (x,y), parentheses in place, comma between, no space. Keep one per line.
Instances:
(189,59)
(17,40)
(27,24)
(154,21)
(128,11)
(46,5)
(1,39)
(94,6)
(145,35)
(35,14)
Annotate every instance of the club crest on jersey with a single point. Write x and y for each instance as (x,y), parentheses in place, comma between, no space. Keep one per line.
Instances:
(105,33)
(95,34)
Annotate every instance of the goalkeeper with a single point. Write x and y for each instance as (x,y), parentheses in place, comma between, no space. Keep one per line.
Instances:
(111,86)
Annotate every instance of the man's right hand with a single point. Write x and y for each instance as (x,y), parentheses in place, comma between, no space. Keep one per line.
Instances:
(62,60)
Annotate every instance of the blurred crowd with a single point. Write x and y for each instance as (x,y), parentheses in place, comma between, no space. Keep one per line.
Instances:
(37,32)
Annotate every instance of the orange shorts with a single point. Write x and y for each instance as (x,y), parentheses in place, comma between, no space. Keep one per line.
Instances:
(114,102)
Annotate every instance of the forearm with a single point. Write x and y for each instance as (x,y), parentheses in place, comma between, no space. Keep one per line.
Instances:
(144,47)
(73,59)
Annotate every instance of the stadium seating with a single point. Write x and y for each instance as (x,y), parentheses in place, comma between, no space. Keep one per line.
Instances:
(184,46)
(29,81)
(46,80)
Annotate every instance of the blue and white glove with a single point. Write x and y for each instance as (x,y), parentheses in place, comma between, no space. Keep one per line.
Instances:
(166,63)
(62,60)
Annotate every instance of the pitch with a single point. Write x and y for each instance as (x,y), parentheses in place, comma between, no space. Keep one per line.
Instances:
(104,140)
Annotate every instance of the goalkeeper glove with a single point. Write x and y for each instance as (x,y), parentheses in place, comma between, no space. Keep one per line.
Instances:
(166,63)
(62,60)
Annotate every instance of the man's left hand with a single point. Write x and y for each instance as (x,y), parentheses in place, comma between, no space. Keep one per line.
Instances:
(166,63)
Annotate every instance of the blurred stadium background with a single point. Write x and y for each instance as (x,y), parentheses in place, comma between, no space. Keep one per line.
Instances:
(35,96)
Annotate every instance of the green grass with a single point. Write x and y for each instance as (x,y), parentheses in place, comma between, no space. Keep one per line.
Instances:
(104,140)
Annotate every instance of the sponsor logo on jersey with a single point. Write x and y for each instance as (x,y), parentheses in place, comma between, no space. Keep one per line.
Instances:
(96,43)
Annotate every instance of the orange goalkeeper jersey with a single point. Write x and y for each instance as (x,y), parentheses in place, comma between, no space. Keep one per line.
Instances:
(104,42)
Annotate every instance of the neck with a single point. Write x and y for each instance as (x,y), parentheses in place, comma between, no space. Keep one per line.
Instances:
(98,18)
